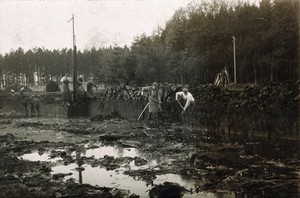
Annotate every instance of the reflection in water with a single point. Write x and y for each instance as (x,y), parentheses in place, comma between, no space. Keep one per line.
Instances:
(83,173)
(116,179)
(79,163)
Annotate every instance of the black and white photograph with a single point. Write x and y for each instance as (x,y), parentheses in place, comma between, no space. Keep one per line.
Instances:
(149,99)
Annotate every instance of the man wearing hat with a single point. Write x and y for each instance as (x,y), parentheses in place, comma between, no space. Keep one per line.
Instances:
(90,88)
(80,89)
(187,96)
(154,97)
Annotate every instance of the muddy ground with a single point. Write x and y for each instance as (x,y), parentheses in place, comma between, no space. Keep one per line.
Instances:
(247,167)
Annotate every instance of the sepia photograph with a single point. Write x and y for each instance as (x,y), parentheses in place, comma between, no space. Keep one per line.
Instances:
(149,99)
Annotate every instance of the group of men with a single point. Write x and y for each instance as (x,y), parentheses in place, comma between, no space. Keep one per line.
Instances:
(30,104)
(153,93)
(154,97)
(81,92)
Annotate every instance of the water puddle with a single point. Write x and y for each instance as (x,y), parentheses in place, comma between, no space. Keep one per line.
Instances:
(100,176)
(39,157)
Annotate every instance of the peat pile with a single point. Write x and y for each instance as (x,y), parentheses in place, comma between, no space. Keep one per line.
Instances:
(268,109)
(16,87)
(271,109)
(134,93)
(262,109)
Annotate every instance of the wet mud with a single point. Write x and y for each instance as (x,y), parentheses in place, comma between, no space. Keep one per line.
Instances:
(222,166)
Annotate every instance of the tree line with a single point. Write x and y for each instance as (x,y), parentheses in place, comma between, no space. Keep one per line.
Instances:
(193,47)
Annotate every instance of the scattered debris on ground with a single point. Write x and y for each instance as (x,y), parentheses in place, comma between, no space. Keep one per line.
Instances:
(253,166)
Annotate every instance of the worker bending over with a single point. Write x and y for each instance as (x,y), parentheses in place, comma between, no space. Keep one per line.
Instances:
(187,96)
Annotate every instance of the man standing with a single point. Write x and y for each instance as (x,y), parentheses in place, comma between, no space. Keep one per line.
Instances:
(187,96)
(90,88)
(66,90)
(80,89)
(35,105)
(154,97)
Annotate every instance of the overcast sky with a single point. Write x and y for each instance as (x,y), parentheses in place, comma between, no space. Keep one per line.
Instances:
(98,23)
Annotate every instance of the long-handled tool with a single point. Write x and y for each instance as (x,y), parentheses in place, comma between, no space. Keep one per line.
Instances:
(143,111)
(154,99)
(180,104)
(181,107)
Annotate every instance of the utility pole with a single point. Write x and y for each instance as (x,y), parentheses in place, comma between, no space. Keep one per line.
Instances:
(234,58)
(74,61)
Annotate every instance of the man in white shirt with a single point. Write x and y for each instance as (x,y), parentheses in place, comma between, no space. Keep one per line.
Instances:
(66,96)
(187,96)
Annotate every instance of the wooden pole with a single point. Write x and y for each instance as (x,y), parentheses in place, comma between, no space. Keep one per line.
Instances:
(74,62)
(75,84)
(234,58)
